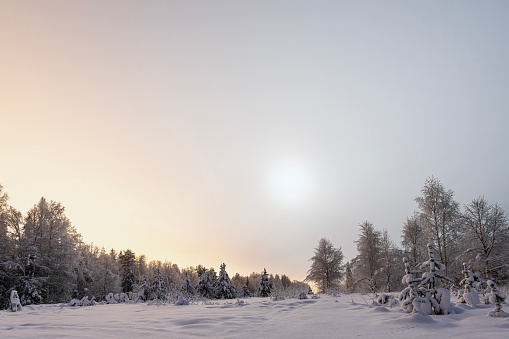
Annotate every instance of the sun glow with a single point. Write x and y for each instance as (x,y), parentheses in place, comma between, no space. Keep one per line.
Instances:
(289,183)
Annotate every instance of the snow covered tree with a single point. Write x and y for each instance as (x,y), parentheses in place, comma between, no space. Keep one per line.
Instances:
(326,266)
(265,284)
(52,239)
(187,288)
(127,261)
(285,281)
(439,297)
(368,261)
(486,229)
(413,298)
(497,298)
(469,294)
(390,274)
(224,288)
(439,214)
(205,287)
(349,280)
(414,239)
(159,288)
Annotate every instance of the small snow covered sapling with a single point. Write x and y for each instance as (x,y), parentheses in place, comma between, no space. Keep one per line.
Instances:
(15,304)
(496,297)
(469,294)
(440,298)
(412,296)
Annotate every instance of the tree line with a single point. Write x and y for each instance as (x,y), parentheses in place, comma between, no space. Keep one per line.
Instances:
(476,234)
(45,259)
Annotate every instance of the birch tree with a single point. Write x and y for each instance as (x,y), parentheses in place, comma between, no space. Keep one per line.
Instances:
(326,266)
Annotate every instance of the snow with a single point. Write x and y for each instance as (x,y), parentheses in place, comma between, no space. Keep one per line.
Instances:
(326,317)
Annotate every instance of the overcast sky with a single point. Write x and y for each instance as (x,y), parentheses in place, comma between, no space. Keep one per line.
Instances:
(242,132)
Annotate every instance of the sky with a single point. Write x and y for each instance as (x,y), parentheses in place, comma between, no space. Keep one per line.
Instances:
(205,132)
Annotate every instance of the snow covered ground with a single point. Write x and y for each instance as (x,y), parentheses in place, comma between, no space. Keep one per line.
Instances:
(326,317)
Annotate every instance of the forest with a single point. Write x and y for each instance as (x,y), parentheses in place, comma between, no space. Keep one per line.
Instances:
(44,258)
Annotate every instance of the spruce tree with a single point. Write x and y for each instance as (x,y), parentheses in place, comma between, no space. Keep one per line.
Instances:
(204,287)
(187,288)
(159,287)
(127,265)
(224,288)
(265,284)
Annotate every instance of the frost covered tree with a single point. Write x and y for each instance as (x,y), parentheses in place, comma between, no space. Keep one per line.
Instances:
(159,287)
(439,215)
(438,297)
(224,288)
(127,261)
(187,288)
(265,285)
(413,239)
(390,257)
(368,261)
(52,239)
(349,280)
(326,266)
(497,298)
(205,287)
(486,230)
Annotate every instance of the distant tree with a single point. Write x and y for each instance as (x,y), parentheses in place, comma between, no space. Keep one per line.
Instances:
(224,288)
(391,258)
(349,280)
(368,261)
(326,266)
(51,238)
(205,287)
(265,284)
(127,262)
(486,229)
(439,213)
(285,281)
(159,288)
(414,239)
(187,288)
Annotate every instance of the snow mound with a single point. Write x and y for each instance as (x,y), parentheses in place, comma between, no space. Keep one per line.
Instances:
(414,318)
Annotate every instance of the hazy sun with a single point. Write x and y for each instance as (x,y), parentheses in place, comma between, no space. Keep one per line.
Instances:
(289,182)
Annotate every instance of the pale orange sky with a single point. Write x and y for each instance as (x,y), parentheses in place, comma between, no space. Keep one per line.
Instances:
(162,126)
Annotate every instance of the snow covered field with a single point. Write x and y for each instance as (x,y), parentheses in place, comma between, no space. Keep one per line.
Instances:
(326,317)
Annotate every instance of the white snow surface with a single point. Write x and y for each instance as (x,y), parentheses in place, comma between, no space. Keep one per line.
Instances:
(326,317)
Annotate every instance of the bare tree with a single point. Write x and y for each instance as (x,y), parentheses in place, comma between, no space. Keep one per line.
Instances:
(439,214)
(485,226)
(327,266)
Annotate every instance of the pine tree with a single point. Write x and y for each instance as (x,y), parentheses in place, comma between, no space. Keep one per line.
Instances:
(224,288)
(265,284)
